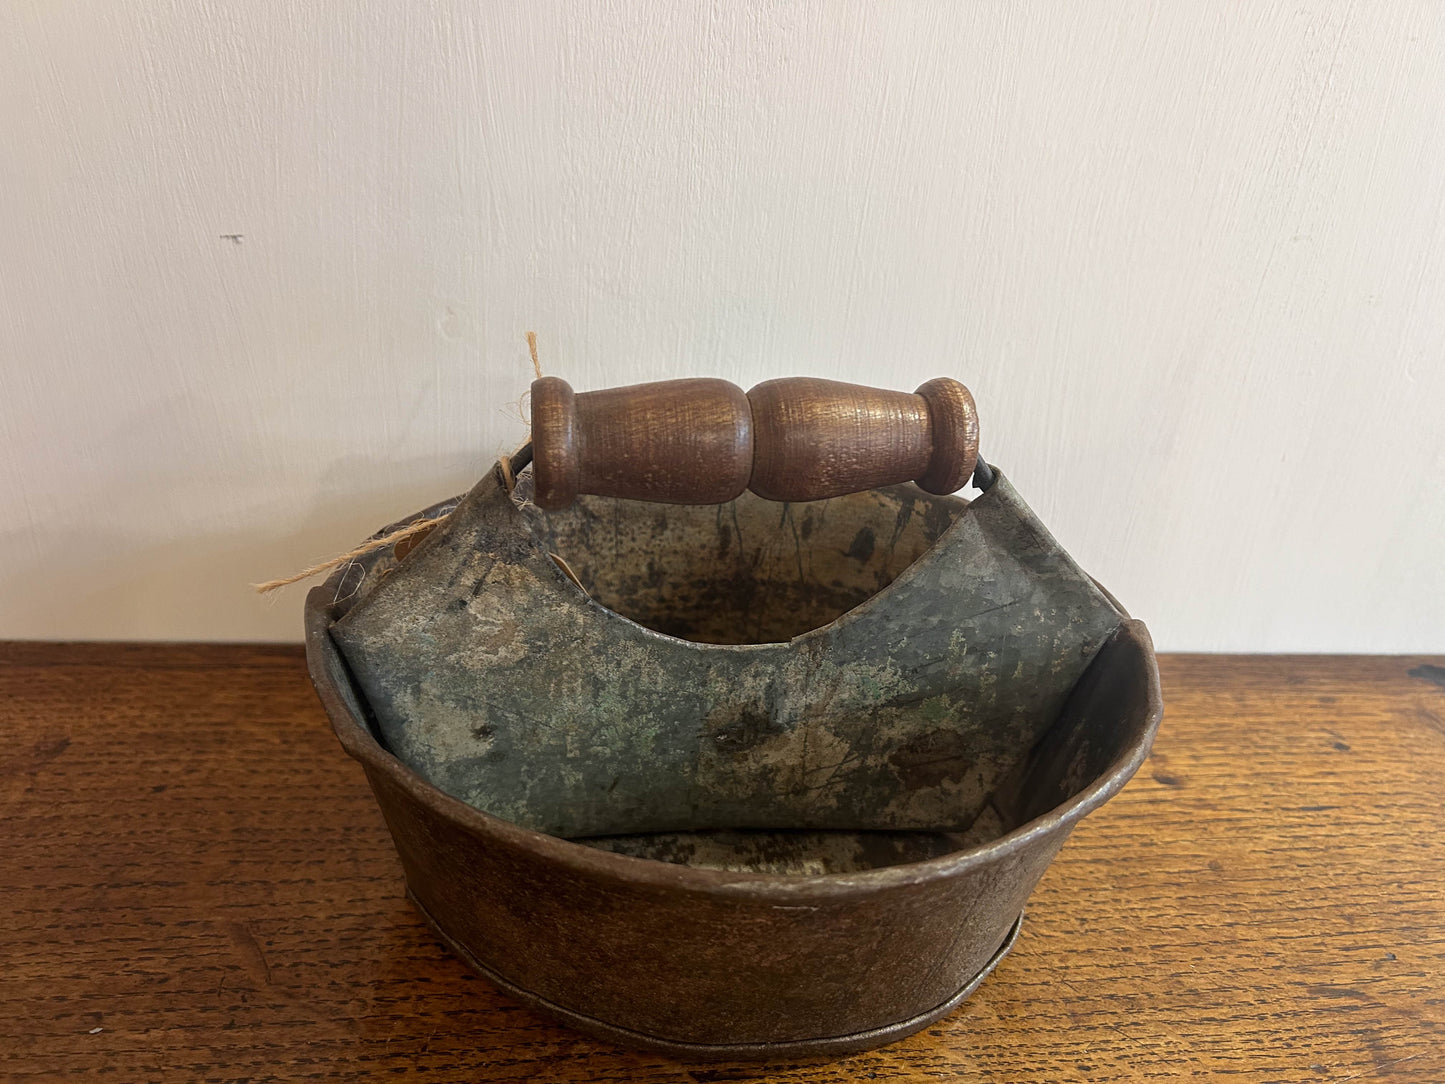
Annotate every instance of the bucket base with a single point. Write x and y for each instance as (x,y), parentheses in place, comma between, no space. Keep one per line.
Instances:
(830,1046)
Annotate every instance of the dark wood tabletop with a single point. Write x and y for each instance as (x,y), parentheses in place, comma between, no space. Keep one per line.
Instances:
(195,884)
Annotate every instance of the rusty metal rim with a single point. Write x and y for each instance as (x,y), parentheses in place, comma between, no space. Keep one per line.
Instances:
(361,744)
(828,1045)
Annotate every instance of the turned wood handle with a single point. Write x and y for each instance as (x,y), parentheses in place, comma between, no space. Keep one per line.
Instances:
(702,441)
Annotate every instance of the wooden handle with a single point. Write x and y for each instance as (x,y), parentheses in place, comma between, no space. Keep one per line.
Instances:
(703,441)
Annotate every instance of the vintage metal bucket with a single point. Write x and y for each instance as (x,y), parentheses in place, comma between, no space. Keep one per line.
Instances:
(748,780)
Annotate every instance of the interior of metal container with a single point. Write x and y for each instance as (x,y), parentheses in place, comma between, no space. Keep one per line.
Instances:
(747,572)
(759,572)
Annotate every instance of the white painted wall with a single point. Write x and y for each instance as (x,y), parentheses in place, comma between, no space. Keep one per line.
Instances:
(1189,256)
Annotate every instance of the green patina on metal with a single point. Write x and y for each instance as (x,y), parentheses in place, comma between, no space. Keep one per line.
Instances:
(877,662)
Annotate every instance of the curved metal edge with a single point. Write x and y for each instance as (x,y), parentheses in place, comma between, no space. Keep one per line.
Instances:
(361,744)
(767,647)
(825,1047)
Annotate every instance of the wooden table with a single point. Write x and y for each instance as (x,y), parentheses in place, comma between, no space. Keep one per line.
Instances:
(196,885)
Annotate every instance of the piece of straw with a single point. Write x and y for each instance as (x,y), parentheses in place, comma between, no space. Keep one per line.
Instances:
(393,537)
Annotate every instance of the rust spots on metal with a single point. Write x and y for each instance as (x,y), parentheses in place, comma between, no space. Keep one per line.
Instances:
(753,794)
(932,758)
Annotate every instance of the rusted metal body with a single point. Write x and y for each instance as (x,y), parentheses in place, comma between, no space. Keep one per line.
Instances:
(806,783)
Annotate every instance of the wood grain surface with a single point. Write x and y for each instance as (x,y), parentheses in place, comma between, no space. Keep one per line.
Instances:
(703,441)
(196,885)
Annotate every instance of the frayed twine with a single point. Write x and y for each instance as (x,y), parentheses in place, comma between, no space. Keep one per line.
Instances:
(391,538)
(420,527)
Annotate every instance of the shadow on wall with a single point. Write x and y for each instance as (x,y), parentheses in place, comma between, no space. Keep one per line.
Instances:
(110,586)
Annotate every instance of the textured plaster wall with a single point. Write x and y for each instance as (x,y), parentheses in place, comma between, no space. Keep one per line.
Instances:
(1190,257)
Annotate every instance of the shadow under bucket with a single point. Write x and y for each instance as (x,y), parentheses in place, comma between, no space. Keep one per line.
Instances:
(755,780)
